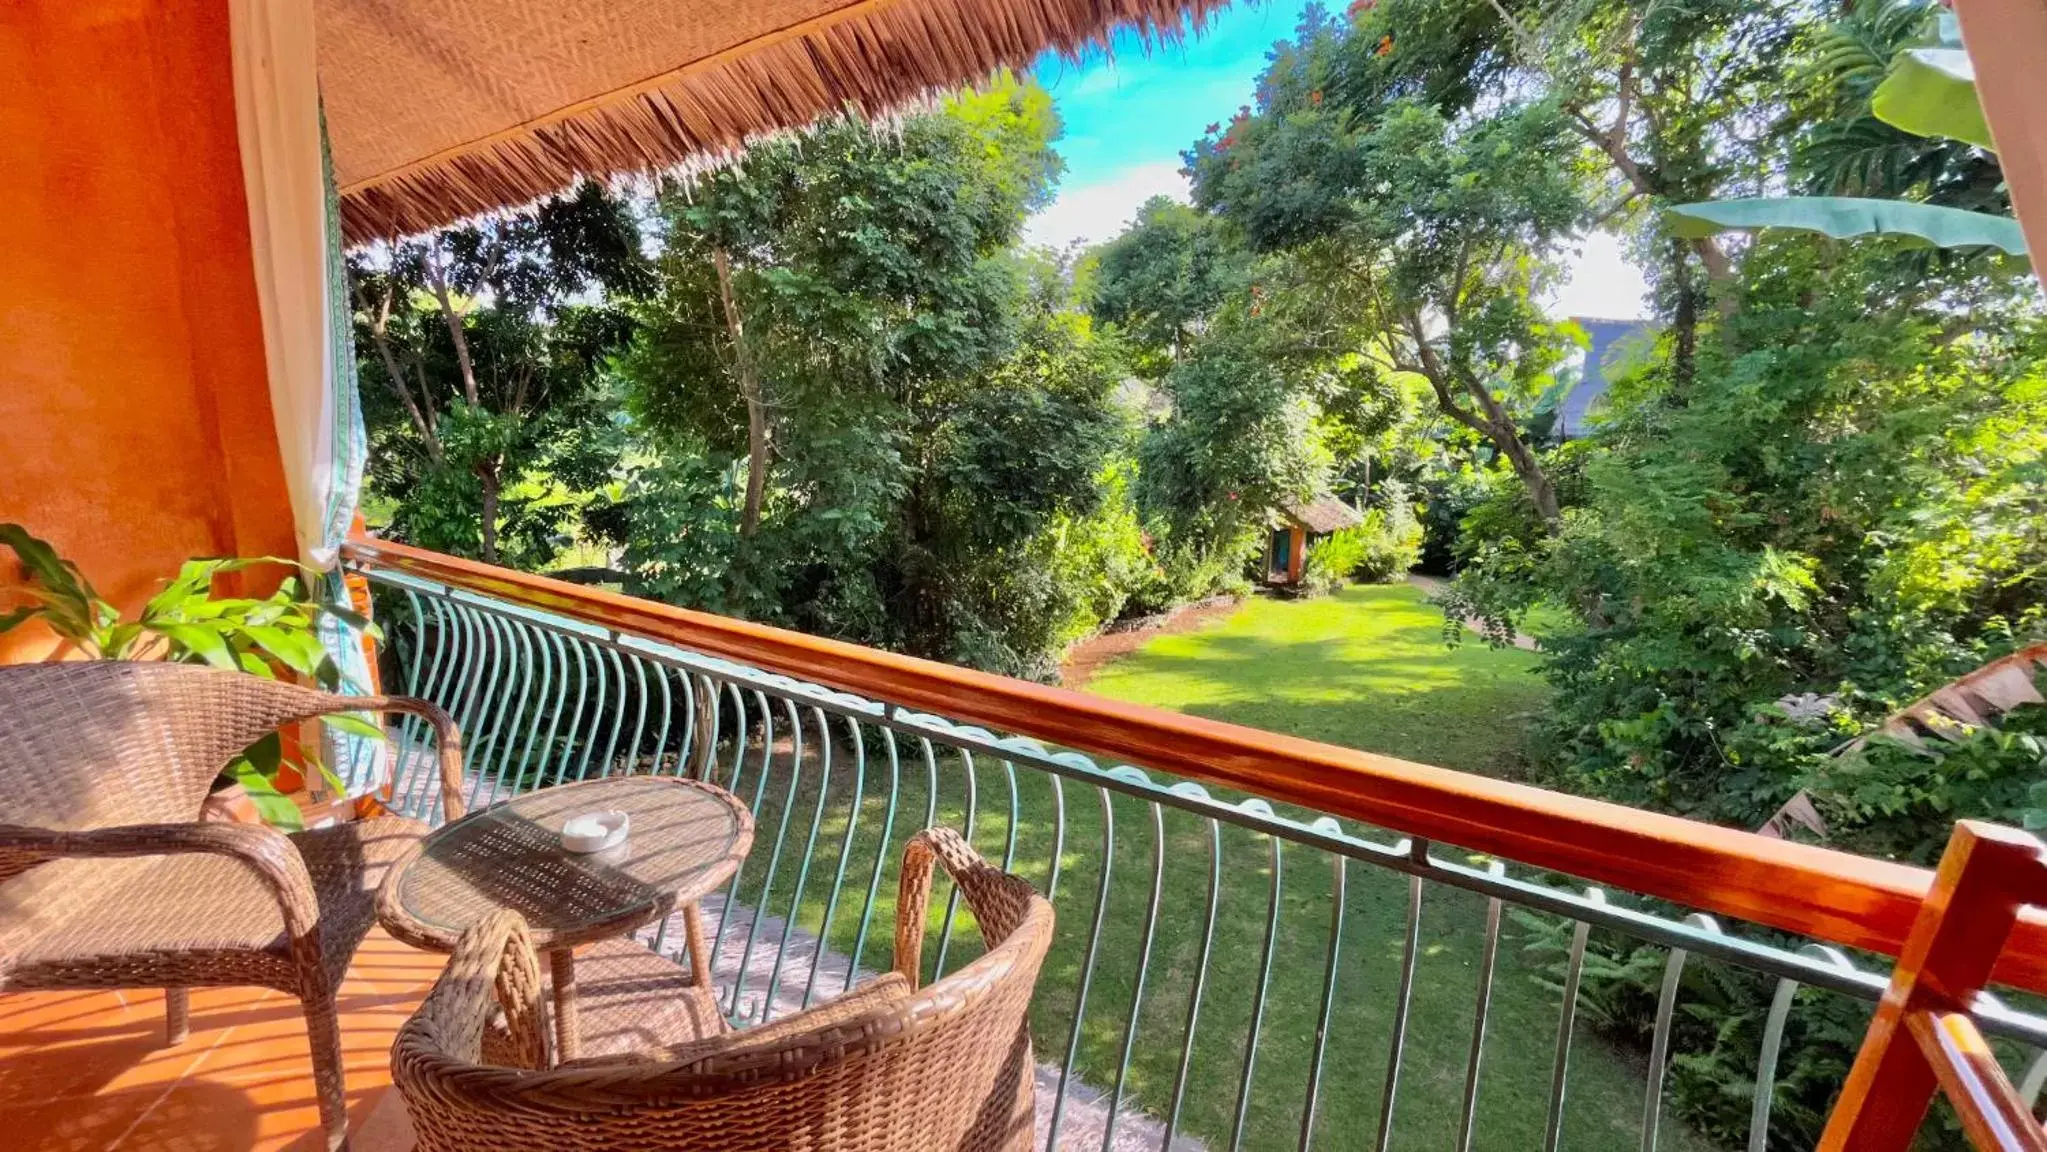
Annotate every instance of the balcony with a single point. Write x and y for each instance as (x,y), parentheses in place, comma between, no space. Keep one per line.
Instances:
(1262,941)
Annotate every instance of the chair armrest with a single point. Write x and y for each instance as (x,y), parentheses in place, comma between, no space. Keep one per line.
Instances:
(447,737)
(997,899)
(493,967)
(268,852)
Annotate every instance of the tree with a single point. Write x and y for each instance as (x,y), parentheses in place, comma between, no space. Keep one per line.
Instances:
(483,352)
(844,315)
(1162,278)
(1442,231)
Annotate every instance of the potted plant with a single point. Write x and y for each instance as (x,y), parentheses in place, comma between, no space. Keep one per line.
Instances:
(187,622)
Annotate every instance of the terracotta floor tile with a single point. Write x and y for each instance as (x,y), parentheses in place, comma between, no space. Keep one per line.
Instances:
(87,1071)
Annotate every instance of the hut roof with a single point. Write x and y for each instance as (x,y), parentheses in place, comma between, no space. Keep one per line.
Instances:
(438,110)
(1323,514)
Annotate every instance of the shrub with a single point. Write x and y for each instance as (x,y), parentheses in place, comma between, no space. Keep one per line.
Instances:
(1332,560)
(1392,537)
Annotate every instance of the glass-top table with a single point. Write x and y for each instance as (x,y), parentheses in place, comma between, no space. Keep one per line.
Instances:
(684,839)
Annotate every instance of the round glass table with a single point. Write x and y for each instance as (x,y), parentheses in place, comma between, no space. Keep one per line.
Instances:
(684,839)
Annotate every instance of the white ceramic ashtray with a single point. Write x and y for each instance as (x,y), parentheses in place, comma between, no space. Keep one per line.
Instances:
(595,831)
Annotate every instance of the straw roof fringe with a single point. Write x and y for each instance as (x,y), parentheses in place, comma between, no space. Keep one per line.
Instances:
(869,58)
(1322,514)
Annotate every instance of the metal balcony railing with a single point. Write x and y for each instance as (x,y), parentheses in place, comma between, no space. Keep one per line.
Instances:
(1263,941)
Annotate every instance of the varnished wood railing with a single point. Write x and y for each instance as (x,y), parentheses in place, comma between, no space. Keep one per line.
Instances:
(1817,892)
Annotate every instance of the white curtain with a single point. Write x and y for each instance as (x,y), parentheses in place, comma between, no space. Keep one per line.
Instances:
(295,234)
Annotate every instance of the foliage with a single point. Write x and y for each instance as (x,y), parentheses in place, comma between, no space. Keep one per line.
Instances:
(869,416)
(482,355)
(187,623)
(1843,217)
(1162,279)
(1438,227)
(1331,560)
(1385,547)
(1392,536)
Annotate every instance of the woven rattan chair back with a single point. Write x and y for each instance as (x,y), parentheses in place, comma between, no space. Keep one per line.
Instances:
(100,743)
(889,1067)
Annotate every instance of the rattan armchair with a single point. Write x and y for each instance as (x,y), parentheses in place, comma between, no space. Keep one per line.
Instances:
(888,1067)
(109,880)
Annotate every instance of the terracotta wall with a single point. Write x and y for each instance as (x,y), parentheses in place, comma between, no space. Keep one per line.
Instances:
(135,426)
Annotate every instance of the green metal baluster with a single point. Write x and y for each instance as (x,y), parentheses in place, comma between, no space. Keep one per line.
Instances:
(739,731)
(824,788)
(472,672)
(774,856)
(1151,922)
(1487,958)
(1009,839)
(1574,972)
(1215,882)
(639,729)
(1258,1002)
(408,724)
(405,777)
(521,656)
(561,768)
(888,819)
(831,904)
(1058,838)
(496,674)
(1659,1042)
(1419,849)
(1087,968)
(1341,878)
(931,778)
(661,672)
(596,712)
(952,899)
(617,719)
(544,704)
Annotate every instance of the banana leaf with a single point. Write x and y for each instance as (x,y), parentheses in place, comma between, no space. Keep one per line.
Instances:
(1847,217)
(1932,92)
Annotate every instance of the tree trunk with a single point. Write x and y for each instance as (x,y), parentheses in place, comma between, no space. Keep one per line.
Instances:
(757,446)
(487,472)
(1493,422)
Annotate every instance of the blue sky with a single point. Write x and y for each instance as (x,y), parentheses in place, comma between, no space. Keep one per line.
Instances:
(1129,114)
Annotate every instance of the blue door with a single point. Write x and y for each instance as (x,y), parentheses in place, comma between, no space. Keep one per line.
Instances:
(1282,551)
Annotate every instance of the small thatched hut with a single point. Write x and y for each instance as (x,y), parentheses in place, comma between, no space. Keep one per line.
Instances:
(1299,525)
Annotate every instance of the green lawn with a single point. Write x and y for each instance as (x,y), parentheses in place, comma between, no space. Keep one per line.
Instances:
(1365,668)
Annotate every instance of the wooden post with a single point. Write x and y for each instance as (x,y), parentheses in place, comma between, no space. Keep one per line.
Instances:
(1987,874)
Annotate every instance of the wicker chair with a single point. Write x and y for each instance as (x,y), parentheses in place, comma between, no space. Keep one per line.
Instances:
(109,880)
(885,1068)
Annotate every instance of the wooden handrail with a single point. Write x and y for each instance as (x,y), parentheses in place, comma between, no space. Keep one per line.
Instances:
(1819,892)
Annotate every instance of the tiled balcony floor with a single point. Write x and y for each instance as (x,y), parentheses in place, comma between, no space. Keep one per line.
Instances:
(86,1071)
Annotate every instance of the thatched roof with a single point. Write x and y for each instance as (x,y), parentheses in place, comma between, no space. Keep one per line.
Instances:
(1324,514)
(442,109)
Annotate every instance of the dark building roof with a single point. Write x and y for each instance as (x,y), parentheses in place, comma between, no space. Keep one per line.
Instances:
(1323,514)
(1608,338)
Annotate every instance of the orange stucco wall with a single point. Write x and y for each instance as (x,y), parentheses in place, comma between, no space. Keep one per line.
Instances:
(135,425)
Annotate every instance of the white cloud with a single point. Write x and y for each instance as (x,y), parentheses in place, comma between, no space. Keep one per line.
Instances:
(1600,282)
(1092,213)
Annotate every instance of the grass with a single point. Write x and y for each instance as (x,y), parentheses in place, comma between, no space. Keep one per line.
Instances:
(1365,668)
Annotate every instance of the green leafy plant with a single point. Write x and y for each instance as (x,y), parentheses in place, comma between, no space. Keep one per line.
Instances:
(187,623)
(1926,91)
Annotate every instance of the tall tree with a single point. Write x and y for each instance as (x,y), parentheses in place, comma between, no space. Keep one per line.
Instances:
(843,315)
(482,361)
(1443,229)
